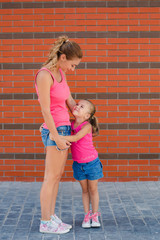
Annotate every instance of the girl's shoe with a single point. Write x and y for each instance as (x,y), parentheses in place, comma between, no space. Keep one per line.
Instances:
(87,220)
(95,220)
(52,227)
(59,221)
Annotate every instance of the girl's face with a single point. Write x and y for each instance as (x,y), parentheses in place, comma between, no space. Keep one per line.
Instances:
(82,110)
(68,65)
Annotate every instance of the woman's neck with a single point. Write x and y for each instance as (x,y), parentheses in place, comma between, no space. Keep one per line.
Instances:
(54,70)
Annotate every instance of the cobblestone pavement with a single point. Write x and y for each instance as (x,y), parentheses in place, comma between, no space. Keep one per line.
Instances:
(129,211)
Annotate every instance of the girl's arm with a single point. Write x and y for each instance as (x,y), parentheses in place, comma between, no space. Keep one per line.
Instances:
(74,138)
(44,83)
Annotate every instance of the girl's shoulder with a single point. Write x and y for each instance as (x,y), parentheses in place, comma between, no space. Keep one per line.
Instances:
(85,124)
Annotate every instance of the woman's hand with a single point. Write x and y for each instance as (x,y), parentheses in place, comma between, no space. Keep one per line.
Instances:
(62,143)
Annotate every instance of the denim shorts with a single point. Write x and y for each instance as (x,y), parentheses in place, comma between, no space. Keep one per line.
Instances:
(62,130)
(91,170)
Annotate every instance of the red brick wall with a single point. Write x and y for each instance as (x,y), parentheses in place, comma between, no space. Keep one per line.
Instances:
(119,73)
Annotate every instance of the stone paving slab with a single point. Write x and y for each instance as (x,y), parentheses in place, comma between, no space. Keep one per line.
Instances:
(128,211)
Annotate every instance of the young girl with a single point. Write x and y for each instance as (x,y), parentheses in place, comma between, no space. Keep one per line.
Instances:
(86,166)
(53,95)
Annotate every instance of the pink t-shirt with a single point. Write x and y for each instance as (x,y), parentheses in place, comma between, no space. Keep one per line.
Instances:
(59,93)
(83,150)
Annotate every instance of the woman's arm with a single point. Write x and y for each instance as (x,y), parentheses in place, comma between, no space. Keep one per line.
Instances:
(70,102)
(44,83)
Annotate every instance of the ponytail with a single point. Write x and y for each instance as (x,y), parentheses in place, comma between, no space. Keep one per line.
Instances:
(93,120)
(95,127)
(63,46)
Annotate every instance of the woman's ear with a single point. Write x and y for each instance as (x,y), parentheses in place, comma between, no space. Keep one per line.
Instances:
(63,57)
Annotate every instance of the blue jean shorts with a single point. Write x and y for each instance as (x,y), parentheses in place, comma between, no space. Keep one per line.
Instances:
(92,170)
(62,130)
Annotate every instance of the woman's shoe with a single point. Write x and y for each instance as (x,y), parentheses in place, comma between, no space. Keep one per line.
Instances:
(59,221)
(52,227)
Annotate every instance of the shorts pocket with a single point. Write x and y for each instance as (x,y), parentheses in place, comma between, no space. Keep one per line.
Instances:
(64,133)
(44,135)
(101,164)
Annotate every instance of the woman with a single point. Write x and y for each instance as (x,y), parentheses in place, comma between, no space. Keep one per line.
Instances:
(53,95)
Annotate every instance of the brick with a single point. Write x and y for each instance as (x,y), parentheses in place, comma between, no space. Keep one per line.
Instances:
(138,174)
(17,173)
(139,150)
(117,174)
(139,28)
(128,168)
(148,168)
(119,72)
(117,16)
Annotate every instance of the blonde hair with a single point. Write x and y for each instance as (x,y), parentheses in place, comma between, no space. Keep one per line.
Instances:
(63,46)
(93,119)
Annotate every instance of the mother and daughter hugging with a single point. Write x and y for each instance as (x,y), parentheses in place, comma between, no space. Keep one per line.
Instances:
(59,134)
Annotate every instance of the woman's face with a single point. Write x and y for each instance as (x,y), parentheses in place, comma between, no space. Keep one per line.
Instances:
(68,65)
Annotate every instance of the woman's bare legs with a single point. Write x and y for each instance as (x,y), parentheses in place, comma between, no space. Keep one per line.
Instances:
(54,166)
(85,195)
(55,190)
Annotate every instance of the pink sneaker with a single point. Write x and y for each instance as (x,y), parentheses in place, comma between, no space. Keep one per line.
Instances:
(59,221)
(95,220)
(87,222)
(52,227)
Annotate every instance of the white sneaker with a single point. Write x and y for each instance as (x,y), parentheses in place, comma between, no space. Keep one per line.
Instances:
(87,220)
(95,220)
(52,227)
(59,221)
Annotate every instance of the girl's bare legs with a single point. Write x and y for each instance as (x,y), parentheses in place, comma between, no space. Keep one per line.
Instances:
(54,166)
(85,195)
(94,195)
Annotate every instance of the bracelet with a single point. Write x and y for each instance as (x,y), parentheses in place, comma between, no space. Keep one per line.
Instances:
(61,149)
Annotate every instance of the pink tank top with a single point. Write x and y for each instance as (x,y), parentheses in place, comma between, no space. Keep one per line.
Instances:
(83,150)
(59,93)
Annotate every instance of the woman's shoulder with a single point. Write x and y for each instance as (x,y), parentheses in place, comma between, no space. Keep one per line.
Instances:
(44,75)
(43,72)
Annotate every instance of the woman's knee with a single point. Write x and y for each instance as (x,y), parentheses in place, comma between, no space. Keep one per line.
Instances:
(52,178)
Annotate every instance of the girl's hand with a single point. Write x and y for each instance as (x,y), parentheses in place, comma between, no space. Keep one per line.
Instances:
(62,144)
(51,137)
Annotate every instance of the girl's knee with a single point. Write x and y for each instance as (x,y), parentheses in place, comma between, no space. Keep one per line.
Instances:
(93,190)
(85,191)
